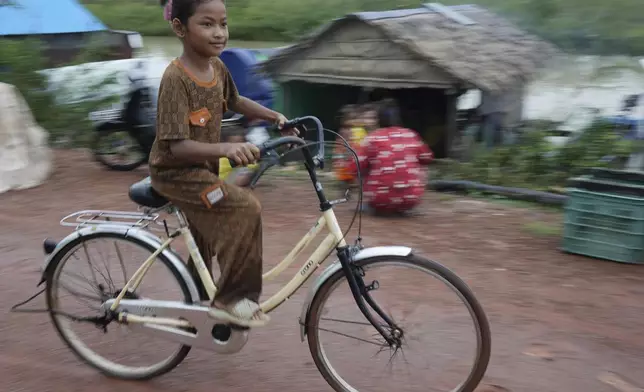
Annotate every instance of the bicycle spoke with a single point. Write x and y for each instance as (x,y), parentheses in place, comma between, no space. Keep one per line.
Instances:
(111,286)
(85,280)
(350,337)
(81,295)
(107,268)
(88,262)
(345,321)
(118,253)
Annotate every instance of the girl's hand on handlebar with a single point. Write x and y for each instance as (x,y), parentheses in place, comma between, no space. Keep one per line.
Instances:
(242,154)
(281,120)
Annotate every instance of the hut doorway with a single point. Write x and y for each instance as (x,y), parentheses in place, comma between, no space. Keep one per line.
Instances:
(424,110)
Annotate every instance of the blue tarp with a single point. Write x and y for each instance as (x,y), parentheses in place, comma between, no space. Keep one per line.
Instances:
(27,17)
(241,63)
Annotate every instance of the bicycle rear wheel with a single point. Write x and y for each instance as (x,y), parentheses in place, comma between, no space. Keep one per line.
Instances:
(92,281)
(405,289)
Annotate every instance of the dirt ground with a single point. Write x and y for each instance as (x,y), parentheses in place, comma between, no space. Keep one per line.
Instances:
(559,322)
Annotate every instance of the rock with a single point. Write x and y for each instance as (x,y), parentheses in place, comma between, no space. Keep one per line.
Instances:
(25,157)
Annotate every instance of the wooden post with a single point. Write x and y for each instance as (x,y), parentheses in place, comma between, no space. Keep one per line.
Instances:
(450,120)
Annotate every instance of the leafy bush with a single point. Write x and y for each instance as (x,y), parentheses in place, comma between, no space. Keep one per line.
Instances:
(21,63)
(532,162)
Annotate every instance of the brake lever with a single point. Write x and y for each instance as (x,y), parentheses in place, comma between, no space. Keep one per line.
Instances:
(270,160)
(346,198)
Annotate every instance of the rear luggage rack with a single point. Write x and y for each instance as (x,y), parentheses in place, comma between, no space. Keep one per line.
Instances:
(132,219)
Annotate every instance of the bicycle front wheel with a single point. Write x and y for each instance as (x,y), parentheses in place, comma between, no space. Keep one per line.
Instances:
(408,290)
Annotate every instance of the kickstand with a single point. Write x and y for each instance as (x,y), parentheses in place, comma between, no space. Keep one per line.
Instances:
(16,308)
(100,321)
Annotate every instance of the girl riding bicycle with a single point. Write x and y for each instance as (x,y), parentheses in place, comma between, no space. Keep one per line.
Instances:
(195,91)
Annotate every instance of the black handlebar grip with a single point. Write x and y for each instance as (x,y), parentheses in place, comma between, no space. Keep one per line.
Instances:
(262,152)
(287,125)
(273,143)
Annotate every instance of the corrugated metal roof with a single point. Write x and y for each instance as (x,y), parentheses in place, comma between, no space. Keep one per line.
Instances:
(27,17)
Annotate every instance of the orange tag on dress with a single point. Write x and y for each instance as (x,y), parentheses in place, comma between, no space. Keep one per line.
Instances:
(213,195)
(200,117)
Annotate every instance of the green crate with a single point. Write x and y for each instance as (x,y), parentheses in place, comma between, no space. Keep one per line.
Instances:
(624,176)
(617,182)
(605,226)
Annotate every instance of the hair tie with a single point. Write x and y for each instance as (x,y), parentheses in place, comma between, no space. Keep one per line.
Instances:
(167,11)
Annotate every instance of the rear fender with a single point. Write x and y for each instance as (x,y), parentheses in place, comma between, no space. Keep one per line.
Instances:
(126,231)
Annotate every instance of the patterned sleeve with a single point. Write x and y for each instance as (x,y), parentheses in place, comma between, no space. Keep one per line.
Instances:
(173,109)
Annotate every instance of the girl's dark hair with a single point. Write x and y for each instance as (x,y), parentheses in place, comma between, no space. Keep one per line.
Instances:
(184,9)
(389,114)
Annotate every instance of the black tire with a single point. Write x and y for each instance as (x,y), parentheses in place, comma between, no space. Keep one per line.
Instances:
(175,360)
(480,318)
(96,143)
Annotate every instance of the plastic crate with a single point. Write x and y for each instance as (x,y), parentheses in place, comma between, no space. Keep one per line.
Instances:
(627,183)
(605,226)
(628,176)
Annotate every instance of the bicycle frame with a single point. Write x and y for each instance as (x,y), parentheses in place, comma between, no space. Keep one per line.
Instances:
(333,240)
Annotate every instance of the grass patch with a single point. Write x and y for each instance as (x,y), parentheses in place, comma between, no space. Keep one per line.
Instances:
(523,204)
(543,229)
(508,202)
(446,197)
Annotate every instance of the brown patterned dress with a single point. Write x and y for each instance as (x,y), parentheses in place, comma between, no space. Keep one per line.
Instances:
(232,228)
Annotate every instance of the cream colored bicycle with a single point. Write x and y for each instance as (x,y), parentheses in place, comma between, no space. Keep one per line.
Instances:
(186,322)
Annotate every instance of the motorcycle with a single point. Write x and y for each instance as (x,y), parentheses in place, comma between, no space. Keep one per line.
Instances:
(127,132)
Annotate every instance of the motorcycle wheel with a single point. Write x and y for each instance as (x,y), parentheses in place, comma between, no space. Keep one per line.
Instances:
(121,141)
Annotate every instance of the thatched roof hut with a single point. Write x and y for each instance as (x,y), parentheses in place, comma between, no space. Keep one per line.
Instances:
(468,43)
(450,49)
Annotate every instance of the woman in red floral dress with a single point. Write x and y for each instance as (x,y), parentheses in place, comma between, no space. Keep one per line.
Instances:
(390,161)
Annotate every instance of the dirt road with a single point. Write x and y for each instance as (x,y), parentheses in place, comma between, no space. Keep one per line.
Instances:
(559,322)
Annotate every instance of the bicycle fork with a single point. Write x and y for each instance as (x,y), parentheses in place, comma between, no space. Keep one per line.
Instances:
(362,297)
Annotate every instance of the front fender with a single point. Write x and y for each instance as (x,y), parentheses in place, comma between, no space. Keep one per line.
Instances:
(127,231)
(366,253)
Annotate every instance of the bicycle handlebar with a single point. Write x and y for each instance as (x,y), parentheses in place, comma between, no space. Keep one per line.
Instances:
(272,144)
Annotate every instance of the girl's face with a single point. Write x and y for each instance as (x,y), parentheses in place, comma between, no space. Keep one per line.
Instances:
(207,30)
